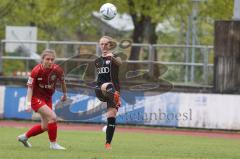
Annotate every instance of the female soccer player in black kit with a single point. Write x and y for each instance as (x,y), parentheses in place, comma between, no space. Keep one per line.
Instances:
(108,84)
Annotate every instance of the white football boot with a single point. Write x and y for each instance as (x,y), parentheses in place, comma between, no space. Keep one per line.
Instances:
(23,139)
(56,146)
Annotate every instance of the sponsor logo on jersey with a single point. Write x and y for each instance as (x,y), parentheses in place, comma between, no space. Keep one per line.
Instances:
(39,79)
(108,62)
(47,86)
(53,77)
(103,70)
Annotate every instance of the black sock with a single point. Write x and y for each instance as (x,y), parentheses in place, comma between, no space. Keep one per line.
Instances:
(110,129)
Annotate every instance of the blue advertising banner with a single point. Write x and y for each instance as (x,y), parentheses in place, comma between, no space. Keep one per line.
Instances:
(2,92)
(162,109)
(14,103)
(168,109)
(132,109)
(84,107)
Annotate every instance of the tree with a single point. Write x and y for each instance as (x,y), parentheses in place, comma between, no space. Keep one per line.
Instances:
(71,19)
(146,16)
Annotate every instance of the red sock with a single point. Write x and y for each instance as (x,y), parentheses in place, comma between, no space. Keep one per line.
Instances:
(52,131)
(35,130)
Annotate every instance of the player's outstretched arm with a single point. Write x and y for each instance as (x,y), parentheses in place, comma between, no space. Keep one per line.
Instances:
(64,90)
(29,98)
(117,60)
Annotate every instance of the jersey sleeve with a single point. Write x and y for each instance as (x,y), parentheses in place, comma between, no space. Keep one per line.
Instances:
(116,60)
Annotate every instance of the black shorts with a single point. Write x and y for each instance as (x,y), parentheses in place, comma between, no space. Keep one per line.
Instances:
(103,98)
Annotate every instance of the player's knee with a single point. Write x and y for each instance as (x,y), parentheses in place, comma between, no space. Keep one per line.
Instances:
(52,118)
(104,86)
(110,88)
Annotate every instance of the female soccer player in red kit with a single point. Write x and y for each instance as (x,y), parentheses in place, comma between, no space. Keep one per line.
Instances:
(41,87)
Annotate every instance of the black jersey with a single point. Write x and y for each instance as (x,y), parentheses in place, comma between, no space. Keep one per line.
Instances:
(107,71)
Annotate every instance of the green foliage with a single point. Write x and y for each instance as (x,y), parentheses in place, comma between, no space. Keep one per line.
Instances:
(217,9)
(10,67)
(72,19)
(55,19)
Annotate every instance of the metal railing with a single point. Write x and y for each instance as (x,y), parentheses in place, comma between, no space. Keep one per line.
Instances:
(182,68)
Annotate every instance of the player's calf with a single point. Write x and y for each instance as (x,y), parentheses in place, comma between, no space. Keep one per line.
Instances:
(113,95)
(117,99)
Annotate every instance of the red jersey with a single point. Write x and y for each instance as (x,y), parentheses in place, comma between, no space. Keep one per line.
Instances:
(43,80)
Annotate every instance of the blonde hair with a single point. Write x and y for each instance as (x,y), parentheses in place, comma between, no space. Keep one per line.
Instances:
(112,42)
(48,52)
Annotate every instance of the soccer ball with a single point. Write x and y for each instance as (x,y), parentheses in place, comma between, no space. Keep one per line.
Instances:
(108,11)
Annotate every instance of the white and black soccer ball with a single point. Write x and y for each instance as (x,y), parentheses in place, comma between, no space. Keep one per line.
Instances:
(108,11)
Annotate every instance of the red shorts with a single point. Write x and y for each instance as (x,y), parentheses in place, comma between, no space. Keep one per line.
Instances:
(37,103)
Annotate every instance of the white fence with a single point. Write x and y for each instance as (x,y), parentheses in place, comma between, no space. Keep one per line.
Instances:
(187,65)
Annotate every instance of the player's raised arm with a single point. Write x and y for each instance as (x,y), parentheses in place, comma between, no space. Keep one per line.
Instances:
(30,83)
(64,90)
(117,60)
(61,78)
(28,98)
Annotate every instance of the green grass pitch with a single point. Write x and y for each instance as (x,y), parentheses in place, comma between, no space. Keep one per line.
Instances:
(90,145)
